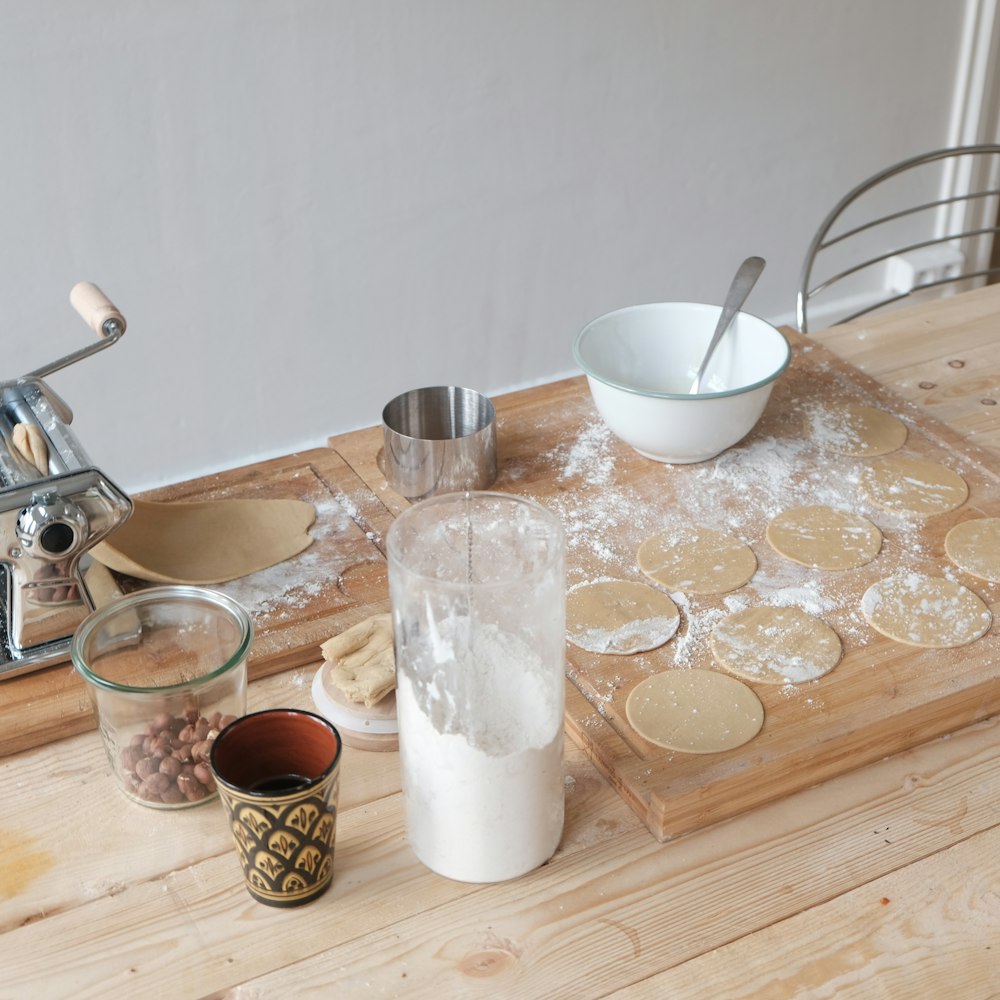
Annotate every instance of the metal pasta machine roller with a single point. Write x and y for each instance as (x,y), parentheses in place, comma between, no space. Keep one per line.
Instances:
(54,506)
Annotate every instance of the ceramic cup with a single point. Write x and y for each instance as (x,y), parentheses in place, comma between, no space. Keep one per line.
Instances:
(278,775)
(439,439)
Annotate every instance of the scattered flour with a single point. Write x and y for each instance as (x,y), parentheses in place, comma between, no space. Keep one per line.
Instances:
(282,590)
(611,501)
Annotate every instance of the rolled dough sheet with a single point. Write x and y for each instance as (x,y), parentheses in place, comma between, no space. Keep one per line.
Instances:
(619,616)
(776,645)
(697,561)
(913,486)
(824,538)
(861,431)
(207,541)
(922,610)
(974,546)
(695,711)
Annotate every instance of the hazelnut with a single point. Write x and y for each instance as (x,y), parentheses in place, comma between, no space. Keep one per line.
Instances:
(146,766)
(170,766)
(147,793)
(201,728)
(204,774)
(197,793)
(153,787)
(201,750)
(172,795)
(192,789)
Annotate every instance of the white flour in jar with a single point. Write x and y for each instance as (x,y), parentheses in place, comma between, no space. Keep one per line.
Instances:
(481,743)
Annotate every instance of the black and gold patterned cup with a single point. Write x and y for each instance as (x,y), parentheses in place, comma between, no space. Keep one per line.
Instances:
(278,775)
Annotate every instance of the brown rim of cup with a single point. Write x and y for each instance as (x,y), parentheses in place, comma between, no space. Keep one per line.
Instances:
(238,746)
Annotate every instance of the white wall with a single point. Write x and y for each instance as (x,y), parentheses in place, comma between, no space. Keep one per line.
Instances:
(304,207)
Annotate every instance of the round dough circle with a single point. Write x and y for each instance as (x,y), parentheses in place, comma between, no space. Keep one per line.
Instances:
(776,645)
(698,561)
(925,611)
(913,486)
(861,431)
(619,616)
(824,538)
(695,711)
(975,547)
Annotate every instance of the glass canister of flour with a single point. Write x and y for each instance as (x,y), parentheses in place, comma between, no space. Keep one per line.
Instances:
(478,588)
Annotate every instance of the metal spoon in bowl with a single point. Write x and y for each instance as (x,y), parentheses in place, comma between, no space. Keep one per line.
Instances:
(746,278)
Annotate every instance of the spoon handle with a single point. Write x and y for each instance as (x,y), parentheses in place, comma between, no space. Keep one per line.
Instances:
(746,277)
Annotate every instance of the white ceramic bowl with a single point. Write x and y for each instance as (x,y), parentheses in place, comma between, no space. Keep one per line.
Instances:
(640,362)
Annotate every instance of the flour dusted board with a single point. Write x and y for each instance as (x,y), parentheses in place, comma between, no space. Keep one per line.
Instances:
(295,605)
(882,698)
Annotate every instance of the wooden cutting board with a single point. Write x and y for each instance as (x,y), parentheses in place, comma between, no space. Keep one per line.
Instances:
(882,698)
(295,605)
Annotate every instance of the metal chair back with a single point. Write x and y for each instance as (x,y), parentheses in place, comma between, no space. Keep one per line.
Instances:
(883,223)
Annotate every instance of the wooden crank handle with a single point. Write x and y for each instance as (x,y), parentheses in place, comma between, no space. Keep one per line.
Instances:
(97,310)
(100,314)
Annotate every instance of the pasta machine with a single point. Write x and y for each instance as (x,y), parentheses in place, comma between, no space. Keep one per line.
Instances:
(54,506)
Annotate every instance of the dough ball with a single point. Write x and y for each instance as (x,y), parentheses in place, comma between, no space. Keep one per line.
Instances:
(913,486)
(824,538)
(776,645)
(695,711)
(619,616)
(925,611)
(697,561)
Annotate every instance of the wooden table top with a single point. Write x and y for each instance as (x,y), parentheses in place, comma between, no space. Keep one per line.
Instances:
(884,881)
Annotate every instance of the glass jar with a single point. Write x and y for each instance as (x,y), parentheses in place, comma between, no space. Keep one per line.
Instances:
(478,588)
(166,671)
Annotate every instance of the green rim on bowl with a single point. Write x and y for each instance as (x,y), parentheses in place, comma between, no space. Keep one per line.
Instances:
(662,394)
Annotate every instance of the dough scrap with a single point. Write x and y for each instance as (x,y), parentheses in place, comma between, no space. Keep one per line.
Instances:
(619,616)
(776,645)
(913,486)
(30,443)
(697,561)
(856,430)
(974,546)
(695,711)
(928,611)
(824,538)
(208,541)
(363,663)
